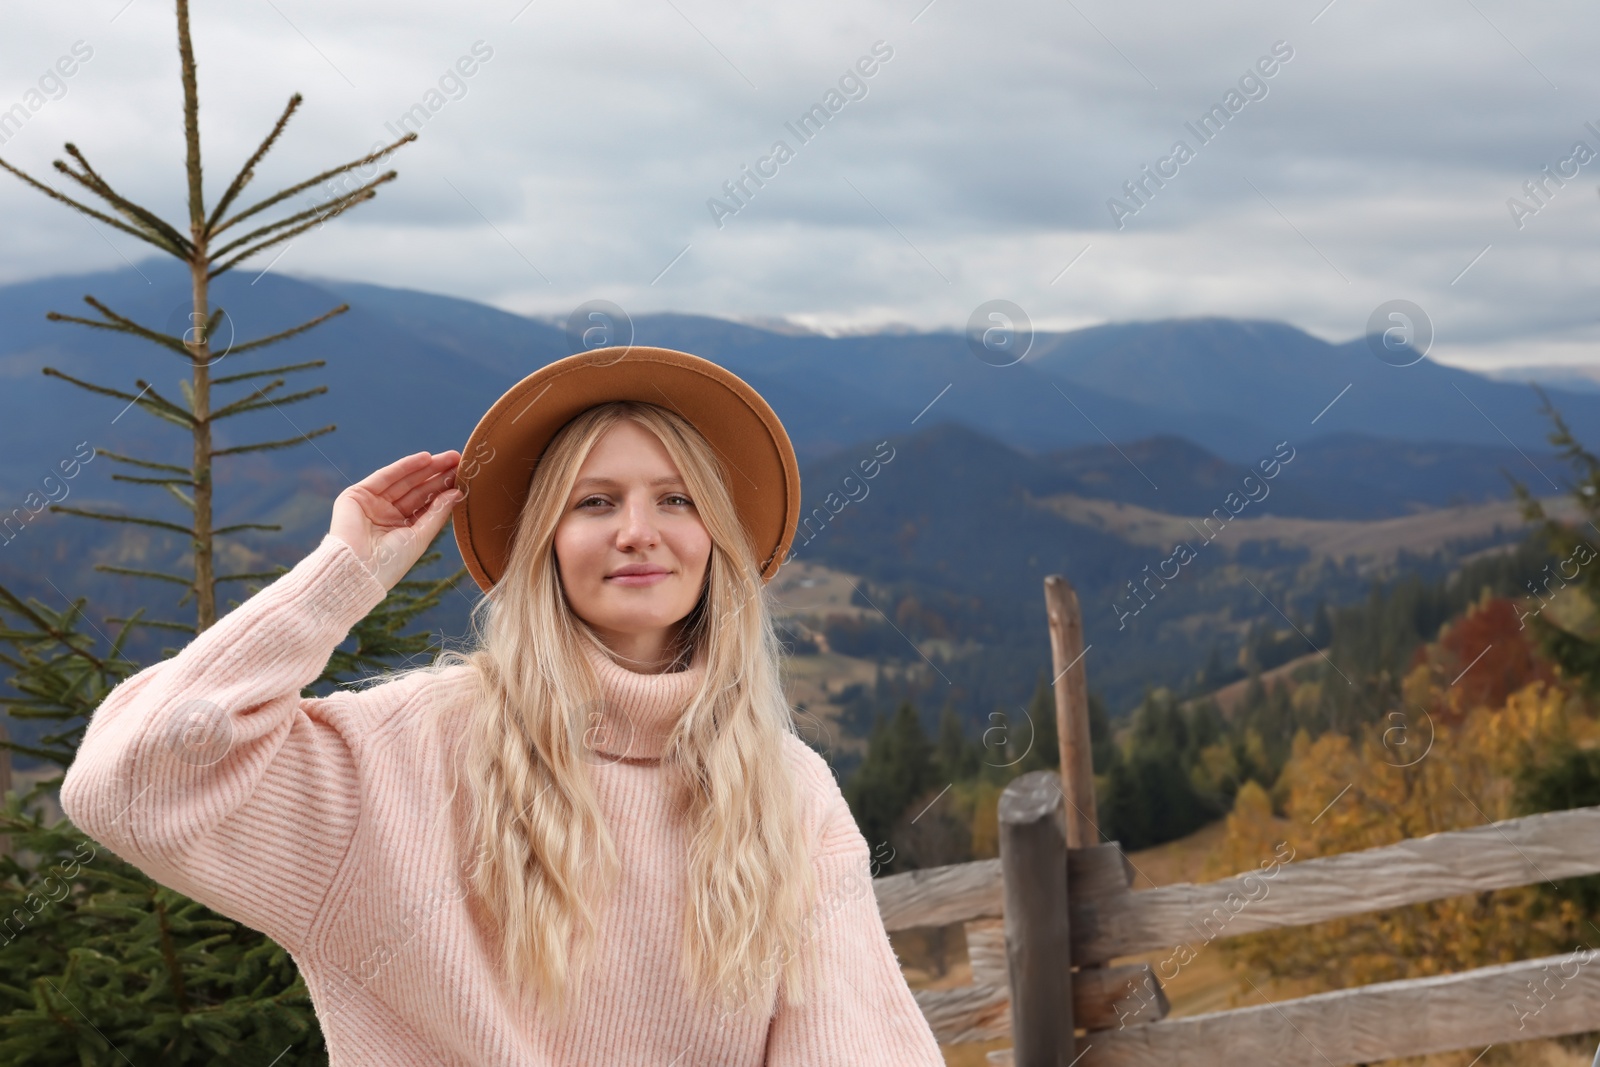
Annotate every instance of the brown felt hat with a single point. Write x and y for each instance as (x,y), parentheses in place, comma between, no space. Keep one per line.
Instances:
(498,460)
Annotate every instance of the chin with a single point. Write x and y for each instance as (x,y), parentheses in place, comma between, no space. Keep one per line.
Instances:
(637,621)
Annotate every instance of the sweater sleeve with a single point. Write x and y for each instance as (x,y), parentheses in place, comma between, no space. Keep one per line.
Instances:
(858,1009)
(210,773)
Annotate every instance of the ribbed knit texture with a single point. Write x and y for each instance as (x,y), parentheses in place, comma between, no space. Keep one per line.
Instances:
(638,711)
(337,826)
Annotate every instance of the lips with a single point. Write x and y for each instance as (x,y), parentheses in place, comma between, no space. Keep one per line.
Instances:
(638,574)
(638,568)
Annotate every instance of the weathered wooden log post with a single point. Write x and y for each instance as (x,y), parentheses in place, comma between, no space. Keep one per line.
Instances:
(1072,710)
(1033,864)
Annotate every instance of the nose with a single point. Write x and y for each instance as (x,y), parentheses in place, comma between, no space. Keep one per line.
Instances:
(638,529)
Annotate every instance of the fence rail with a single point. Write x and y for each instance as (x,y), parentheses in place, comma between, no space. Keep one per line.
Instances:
(1412,1017)
(1536,848)
(1047,920)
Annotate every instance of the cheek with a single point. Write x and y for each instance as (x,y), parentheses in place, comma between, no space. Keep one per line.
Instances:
(692,546)
(699,548)
(575,557)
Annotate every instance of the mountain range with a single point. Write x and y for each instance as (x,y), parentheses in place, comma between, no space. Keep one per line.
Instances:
(410,370)
(1001,475)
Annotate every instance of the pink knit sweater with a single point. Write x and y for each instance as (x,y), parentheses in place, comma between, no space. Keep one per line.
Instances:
(329,824)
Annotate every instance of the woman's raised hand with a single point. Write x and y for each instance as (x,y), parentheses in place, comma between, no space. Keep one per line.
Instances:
(391,516)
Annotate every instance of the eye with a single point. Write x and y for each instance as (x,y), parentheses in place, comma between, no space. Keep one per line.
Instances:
(586,501)
(679,498)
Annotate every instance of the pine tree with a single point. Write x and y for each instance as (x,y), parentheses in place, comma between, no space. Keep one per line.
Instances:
(98,964)
(897,770)
(1041,748)
(1102,746)
(1150,793)
(955,756)
(1575,548)
(206,256)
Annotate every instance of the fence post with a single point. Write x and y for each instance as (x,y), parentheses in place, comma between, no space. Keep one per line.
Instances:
(1033,864)
(1072,710)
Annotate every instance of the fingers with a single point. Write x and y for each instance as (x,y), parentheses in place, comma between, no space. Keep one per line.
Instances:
(440,463)
(393,481)
(400,547)
(421,495)
(431,520)
(379,481)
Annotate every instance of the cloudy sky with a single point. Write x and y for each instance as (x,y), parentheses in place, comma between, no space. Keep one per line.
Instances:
(979,160)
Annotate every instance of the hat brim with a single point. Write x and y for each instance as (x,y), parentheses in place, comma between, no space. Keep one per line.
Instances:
(497,464)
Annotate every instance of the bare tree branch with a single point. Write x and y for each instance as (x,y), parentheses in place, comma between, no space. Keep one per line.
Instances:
(309,182)
(271,370)
(327,209)
(183,627)
(122,322)
(286,334)
(225,411)
(183,498)
(142,235)
(56,316)
(124,518)
(120,458)
(175,578)
(344,205)
(185,480)
(160,406)
(240,407)
(248,171)
(129,210)
(219,531)
(97,183)
(288,442)
(148,391)
(104,390)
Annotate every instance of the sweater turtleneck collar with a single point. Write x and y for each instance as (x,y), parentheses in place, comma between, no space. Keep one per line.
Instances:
(638,710)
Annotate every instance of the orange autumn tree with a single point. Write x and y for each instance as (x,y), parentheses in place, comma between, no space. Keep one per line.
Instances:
(1478,661)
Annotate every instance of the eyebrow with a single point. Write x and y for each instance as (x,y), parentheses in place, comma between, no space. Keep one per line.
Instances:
(669,479)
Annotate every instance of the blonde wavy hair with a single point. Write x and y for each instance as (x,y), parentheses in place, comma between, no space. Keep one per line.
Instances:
(545,858)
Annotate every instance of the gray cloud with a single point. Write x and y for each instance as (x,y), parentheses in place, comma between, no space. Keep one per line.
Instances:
(977,165)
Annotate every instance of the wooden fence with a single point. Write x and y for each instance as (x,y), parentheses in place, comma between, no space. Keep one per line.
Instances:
(1046,920)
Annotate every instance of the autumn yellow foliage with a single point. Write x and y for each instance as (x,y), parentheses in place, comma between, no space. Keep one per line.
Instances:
(1415,774)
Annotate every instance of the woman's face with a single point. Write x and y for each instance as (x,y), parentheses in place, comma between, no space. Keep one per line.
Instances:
(630,547)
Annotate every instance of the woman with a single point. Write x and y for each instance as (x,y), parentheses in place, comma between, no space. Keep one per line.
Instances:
(595,838)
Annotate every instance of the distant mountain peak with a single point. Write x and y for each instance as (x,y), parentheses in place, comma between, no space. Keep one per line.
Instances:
(778,324)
